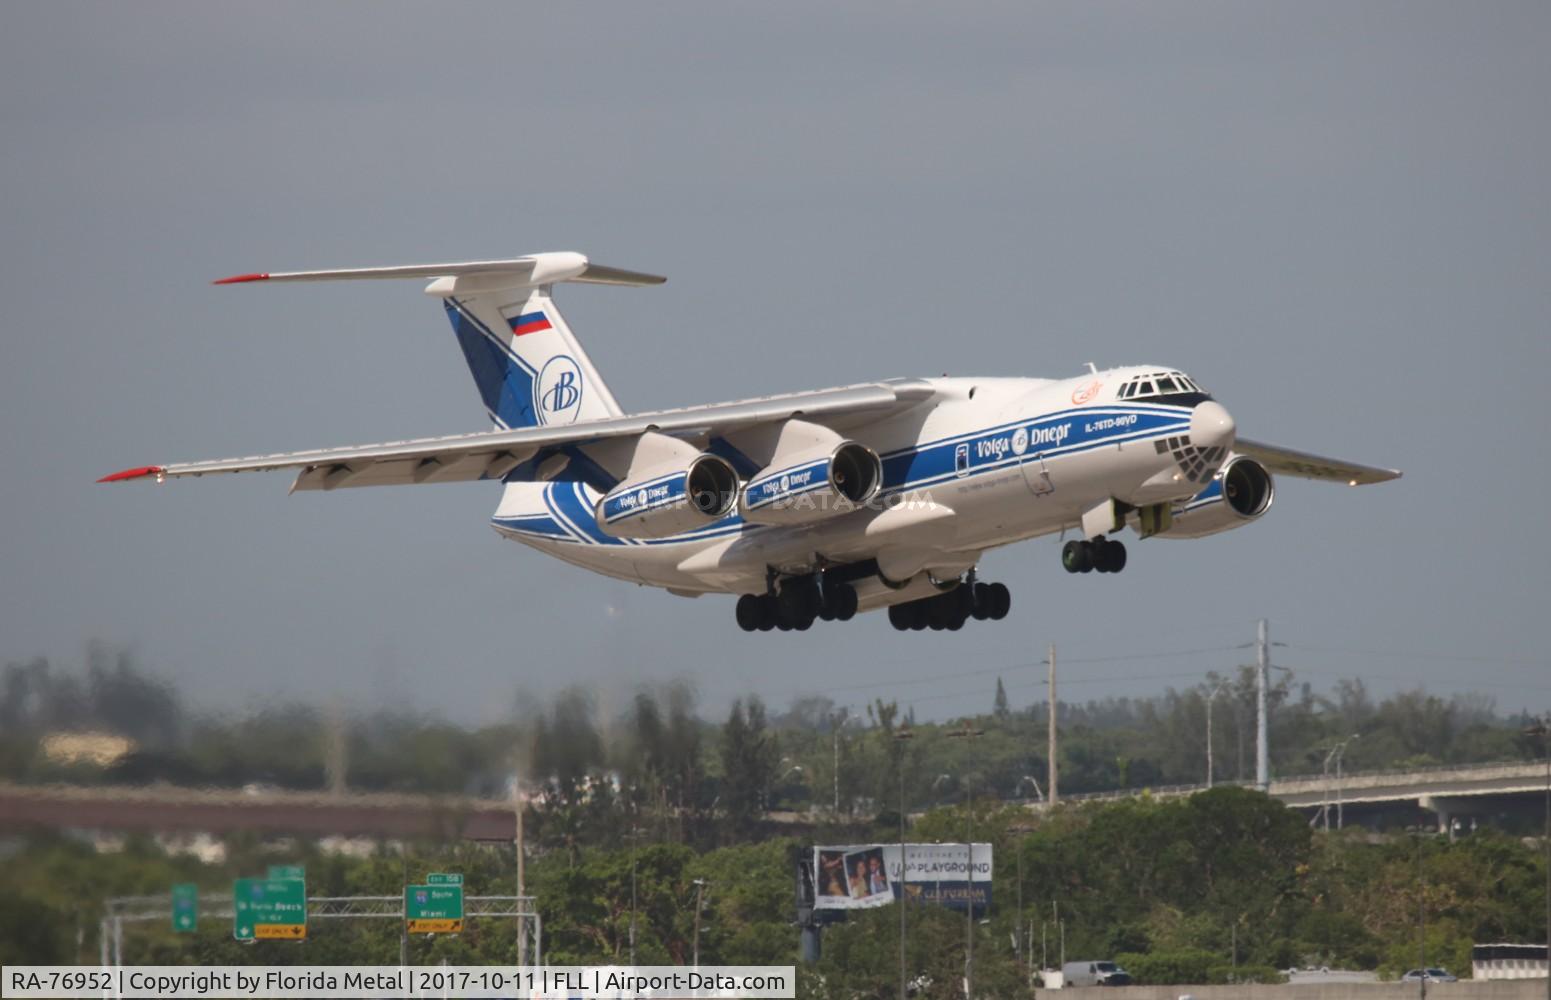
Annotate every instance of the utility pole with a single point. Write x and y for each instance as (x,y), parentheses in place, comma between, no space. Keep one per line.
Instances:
(700,885)
(1209,700)
(904,866)
(969,842)
(1262,681)
(1050,719)
(522,889)
(1542,730)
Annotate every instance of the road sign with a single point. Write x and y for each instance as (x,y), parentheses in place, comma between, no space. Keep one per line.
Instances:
(286,871)
(269,909)
(185,907)
(436,907)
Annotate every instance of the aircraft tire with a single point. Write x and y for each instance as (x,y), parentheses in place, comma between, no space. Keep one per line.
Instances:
(981,601)
(899,617)
(918,615)
(1001,601)
(1117,556)
(747,612)
(768,612)
(1102,555)
(839,602)
(1076,557)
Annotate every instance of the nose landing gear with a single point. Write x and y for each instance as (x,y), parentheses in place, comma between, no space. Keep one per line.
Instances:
(1100,554)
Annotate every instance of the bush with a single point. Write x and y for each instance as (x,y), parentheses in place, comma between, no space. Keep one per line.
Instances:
(1169,968)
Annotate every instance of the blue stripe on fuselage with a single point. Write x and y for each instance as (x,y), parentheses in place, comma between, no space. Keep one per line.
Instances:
(927,464)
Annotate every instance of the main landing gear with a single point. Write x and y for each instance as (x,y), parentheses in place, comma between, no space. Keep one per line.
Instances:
(795,607)
(951,609)
(1100,554)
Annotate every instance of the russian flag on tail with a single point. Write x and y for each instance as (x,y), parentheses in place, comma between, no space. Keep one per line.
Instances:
(528,323)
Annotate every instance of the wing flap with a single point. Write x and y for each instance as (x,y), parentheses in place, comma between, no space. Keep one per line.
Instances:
(1302,465)
(465,457)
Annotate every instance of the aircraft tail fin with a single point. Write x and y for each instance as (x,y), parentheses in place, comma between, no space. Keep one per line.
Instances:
(529,368)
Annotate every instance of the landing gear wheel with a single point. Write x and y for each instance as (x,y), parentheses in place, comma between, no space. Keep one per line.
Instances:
(1117,556)
(900,616)
(1000,601)
(981,602)
(748,612)
(769,612)
(839,602)
(1077,557)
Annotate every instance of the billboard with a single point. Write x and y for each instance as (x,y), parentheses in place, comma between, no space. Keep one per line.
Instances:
(858,876)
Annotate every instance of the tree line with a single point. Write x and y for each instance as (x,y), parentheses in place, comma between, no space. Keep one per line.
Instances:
(1227,885)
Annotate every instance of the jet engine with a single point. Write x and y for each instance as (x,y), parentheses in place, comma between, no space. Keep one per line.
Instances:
(670,488)
(1239,493)
(814,474)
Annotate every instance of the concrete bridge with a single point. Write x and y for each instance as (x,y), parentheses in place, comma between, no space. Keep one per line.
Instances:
(1450,794)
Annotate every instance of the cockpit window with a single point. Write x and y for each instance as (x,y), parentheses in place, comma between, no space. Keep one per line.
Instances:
(1171,387)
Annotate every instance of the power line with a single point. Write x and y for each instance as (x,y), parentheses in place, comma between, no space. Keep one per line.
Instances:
(1413,655)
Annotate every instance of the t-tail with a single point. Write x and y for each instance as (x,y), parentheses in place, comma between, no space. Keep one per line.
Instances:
(527,365)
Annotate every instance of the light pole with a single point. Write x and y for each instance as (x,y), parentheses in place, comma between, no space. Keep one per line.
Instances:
(1209,700)
(836,721)
(966,733)
(1421,914)
(904,866)
(1542,731)
(700,887)
(1340,792)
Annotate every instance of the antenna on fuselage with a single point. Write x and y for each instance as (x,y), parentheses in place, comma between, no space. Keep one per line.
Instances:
(1093,368)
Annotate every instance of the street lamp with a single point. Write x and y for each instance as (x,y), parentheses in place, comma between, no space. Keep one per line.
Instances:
(900,738)
(700,888)
(1029,779)
(1542,731)
(1209,699)
(1334,754)
(966,733)
(1340,790)
(838,720)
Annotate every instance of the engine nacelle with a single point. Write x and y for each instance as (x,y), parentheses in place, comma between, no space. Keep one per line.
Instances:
(812,482)
(1239,493)
(670,499)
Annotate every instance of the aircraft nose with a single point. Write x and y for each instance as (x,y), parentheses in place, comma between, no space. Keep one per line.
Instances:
(1211,425)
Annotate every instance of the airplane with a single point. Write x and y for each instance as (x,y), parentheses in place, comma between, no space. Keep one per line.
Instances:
(811,505)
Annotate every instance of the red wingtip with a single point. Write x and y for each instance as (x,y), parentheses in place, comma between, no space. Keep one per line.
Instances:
(140,473)
(237,279)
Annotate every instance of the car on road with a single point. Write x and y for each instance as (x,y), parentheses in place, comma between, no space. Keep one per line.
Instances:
(1429,975)
(1094,974)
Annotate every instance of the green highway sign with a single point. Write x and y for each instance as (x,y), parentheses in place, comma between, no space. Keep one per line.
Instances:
(436,907)
(286,871)
(269,909)
(185,907)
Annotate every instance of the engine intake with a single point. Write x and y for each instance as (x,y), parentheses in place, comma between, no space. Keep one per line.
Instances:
(813,484)
(670,502)
(1240,492)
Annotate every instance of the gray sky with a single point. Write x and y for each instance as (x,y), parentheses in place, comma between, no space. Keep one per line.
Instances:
(1335,216)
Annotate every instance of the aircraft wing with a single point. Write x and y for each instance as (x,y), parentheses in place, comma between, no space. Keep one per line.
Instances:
(492,454)
(1286,462)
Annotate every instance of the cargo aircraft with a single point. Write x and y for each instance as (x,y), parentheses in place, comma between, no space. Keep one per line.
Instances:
(811,505)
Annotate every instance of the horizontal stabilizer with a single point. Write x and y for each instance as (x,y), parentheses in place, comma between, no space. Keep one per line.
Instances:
(532,270)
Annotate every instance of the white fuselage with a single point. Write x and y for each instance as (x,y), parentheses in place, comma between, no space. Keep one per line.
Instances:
(979,463)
